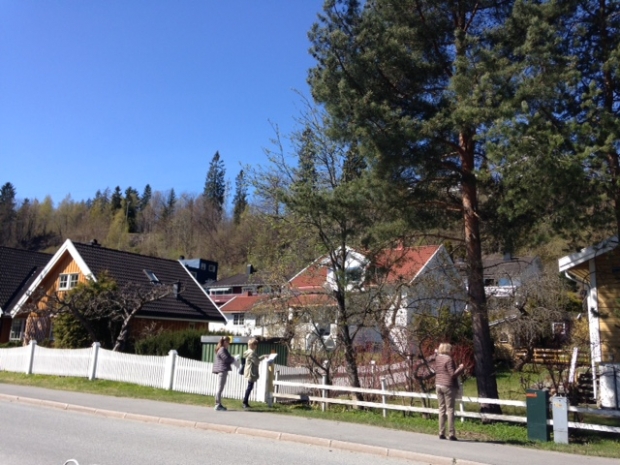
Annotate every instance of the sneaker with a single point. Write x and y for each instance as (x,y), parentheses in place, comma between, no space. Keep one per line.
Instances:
(246,406)
(453,438)
(220,407)
(442,436)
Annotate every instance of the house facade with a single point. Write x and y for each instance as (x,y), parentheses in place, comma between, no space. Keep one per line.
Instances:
(597,269)
(408,280)
(18,268)
(240,320)
(189,306)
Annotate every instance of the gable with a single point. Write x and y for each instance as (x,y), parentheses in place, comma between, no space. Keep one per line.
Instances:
(402,264)
(584,255)
(90,260)
(18,269)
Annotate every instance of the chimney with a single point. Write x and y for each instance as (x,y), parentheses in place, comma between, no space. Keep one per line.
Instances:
(94,243)
(507,256)
(176,287)
(250,269)
(182,257)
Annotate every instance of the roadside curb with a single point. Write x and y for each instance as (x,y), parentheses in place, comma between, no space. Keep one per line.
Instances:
(261,433)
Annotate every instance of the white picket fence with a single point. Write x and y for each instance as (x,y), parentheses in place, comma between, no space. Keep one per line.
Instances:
(165,372)
(176,373)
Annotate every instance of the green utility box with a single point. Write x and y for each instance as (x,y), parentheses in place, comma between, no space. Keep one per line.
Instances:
(239,344)
(537,405)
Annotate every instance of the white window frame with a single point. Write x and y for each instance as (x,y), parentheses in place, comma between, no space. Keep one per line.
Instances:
(238,319)
(22,329)
(67,281)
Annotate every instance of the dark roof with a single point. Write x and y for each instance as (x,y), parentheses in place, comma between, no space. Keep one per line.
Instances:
(18,268)
(192,303)
(240,279)
(497,266)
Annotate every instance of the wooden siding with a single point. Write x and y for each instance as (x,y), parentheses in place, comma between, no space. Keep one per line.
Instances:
(608,285)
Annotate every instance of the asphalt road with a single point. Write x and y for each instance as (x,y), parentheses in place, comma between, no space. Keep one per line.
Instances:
(286,431)
(35,436)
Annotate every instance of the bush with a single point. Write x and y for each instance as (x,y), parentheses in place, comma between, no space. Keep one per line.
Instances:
(186,343)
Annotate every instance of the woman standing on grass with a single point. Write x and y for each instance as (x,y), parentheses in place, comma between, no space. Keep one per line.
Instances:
(221,367)
(447,386)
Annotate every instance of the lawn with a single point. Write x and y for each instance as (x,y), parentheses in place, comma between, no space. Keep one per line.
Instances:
(585,443)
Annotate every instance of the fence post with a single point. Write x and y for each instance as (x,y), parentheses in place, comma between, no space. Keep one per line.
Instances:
(31,346)
(170,367)
(265,381)
(94,356)
(383,397)
(275,387)
(373,372)
(324,382)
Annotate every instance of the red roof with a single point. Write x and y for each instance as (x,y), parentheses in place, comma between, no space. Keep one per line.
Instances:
(312,278)
(403,263)
(242,303)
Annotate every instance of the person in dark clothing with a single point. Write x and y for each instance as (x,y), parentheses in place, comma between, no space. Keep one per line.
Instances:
(446,386)
(221,366)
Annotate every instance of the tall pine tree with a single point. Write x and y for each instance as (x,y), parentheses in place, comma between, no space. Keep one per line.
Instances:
(240,202)
(7,214)
(415,86)
(215,184)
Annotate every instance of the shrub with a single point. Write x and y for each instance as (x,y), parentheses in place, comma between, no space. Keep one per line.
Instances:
(186,343)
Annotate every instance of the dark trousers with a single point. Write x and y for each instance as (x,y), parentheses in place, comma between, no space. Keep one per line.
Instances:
(248,391)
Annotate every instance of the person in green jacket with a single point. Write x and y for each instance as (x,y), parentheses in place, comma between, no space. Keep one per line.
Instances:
(252,360)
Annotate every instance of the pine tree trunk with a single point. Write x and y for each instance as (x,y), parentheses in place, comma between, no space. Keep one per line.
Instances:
(483,345)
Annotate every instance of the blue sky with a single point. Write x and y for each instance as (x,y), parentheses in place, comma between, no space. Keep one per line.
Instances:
(100,93)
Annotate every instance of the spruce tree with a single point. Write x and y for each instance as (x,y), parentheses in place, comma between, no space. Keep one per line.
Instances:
(215,184)
(146,197)
(240,202)
(7,214)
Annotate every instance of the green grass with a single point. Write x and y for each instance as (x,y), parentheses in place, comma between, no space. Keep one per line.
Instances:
(585,443)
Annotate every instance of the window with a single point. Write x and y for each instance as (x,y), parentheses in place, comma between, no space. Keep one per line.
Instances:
(238,319)
(67,281)
(18,326)
(203,266)
(152,277)
(212,268)
(559,329)
(219,291)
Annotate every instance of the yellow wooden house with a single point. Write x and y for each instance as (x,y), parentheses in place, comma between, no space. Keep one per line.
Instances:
(597,269)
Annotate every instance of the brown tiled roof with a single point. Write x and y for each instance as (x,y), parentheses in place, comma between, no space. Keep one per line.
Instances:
(192,303)
(18,268)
